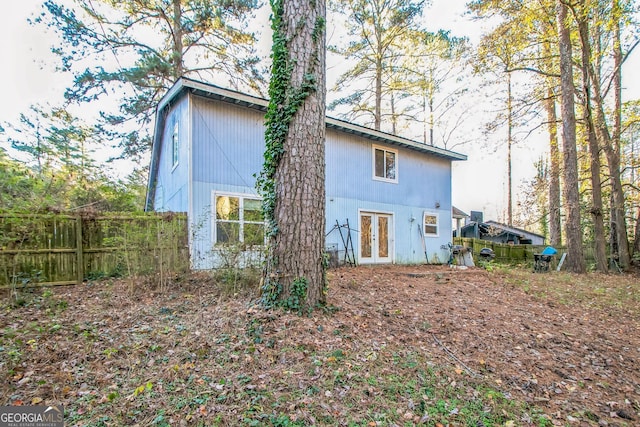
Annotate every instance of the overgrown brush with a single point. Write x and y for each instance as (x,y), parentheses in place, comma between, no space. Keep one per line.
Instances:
(239,271)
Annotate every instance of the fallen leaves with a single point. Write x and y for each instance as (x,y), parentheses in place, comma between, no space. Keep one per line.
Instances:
(142,389)
(198,357)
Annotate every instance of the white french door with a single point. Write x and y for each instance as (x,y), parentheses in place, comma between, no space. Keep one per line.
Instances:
(376,238)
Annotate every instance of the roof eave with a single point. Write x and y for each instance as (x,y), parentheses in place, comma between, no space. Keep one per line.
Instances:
(521,230)
(376,135)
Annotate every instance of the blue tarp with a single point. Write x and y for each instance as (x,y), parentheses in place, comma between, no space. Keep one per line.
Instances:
(549,251)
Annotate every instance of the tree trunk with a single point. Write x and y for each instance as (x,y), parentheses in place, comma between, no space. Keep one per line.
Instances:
(575,256)
(611,146)
(613,235)
(596,197)
(394,119)
(612,151)
(378,107)
(555,220)
(619,199)
(636,240)
(617,76)
(432,120)
(40,152)
(424,121)
(178,33)
(509,143)
(294,273)
(635,250)
(594,151)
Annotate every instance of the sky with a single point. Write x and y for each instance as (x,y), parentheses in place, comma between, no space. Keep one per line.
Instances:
(28,74)
(28,77)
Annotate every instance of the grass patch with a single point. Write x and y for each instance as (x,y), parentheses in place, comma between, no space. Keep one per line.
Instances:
(593,290)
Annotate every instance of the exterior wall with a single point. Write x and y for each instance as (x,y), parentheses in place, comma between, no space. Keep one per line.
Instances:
(536,240)
(423,181)
(172,189)
(407,248)
(227,151)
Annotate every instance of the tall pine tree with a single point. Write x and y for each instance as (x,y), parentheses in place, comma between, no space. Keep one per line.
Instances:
(293,178)
(133,51)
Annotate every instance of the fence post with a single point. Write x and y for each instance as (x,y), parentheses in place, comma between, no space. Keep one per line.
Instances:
(79,250)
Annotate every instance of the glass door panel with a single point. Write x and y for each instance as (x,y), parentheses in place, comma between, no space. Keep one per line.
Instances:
(376,241)
(383,237)
(366,237)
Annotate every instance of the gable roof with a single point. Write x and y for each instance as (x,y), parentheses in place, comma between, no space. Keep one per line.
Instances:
(495,228)
(185,85)
(457,213)
(513,229)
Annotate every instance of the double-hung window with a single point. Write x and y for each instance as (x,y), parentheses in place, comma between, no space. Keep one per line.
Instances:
(430,224)
(385,164)
(238,219)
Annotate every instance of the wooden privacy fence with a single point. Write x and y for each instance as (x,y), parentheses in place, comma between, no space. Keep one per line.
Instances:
(61,249)
(516,253)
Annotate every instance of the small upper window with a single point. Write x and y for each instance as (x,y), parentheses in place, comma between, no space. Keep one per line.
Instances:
(175,144)
(385,164)
(430,224)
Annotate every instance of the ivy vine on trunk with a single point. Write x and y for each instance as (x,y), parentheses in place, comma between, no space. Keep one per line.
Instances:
(292,180)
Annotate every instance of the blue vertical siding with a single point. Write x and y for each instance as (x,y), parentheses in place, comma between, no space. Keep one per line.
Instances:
(406,242)
(227,152)
(422,179)
(172,187)
(423,182)
(228,143)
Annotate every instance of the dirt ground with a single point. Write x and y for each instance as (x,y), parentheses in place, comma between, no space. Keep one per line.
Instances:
(565,344)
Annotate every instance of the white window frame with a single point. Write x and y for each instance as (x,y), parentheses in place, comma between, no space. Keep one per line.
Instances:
(424,217)
(391,259)
(241,221)
(175,145)
(373,163)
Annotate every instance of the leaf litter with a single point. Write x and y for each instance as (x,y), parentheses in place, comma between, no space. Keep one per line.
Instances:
(397,345)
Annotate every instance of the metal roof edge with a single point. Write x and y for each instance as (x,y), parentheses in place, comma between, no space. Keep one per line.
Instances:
(377,135)
(458,213)
(225,94)
(506,227)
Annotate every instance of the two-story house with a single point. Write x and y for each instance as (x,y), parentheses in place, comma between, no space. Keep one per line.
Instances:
(208,147)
